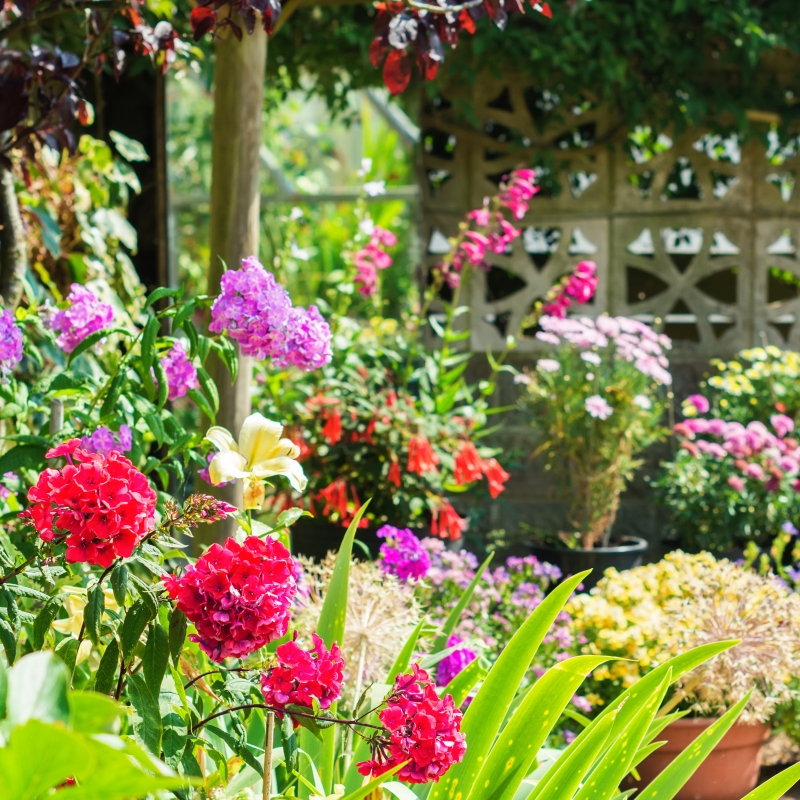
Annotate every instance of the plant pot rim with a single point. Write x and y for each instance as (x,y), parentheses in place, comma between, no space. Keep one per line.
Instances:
(701,722)
(630,544)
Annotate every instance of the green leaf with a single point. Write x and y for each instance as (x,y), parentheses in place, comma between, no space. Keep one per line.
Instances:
(404,656)
(119,583)
(776,786)
(514,752)
(132,628)
(239,747)
(129,149)
(200,399)
(8,636)
(93,613)
(163,383)
(3,689)
(92,713)
(227,353)
(155,658)
(177,634)
(106,676)
(463,683)
(111,399)
(184,312)
(147,719)
(90,341)
(158,294)
(488,710)
(51,233)
(149,336)
(289,742)
(37,689)
(11,607)
(44,619)
(670,780)
(209,389)
(22,456)
(367,789)
(67,651)
(175,729)
(455,615)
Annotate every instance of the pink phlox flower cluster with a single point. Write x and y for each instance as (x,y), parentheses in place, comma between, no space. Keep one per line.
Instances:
(633,341)
(371,258)
(758,453)
(238,596)
(10,344)
(84,315)
(402,554)
(103,440)
(257,312)
(451,665)
(181,372)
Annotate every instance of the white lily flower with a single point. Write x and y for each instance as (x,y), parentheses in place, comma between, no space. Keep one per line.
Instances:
(260,453)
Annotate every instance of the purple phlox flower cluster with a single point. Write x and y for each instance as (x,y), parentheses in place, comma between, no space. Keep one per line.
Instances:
(794,574)
(5,492)
(181,373)
(84,315)
(103,440)
(456,662)
(569,737)
(633,341)
(203,473)
(257,312)
(402,554)
(789,528)
(757,452)
(10,344)
(581,703)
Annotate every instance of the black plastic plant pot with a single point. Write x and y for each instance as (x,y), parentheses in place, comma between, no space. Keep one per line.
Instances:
(627,554)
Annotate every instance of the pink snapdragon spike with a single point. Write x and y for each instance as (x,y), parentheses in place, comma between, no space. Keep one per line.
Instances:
(371,258)
(85,315)
(10,344)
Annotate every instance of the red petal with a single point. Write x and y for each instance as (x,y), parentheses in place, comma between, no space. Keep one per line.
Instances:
(467,23)
(546,11)
(377,50)
(202,21)
(397,71)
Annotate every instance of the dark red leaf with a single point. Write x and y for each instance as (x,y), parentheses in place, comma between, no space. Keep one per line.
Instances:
(397,71)
(237,31)
(202,21)
(377,50)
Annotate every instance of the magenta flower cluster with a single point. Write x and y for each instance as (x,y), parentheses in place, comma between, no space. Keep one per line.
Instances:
(181,372)
(371,258)
(10,344)
(103,440)
(84,315)
(633,341)
(456,662)
(579,286)
(257,312)
(757,453)
(402,554)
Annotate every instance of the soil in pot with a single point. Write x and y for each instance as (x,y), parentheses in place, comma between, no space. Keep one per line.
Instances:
(628,553)
(730,771)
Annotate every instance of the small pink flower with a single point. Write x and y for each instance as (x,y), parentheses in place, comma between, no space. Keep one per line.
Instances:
(699,402)
(735,482)
(782,424)
(754,471)
(597,407)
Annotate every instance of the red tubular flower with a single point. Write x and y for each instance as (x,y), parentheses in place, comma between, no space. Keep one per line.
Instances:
(102,506)
(394,474)
(469,466)
(445,523)
(423,729)
(421,457)
(302,675)
(335,497)
(333,428)
(238,596)
(496,477)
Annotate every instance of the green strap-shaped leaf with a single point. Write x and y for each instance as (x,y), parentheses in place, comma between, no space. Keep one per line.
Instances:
(776,787)
(455,615)
(669,781)
(404,656)
(119,583)
(107,671)
(133,627)
(177,634)
(487,711)
(463,683)
(514,752)
(155,658)
(363,791)
(615,764)
(566,774)
(93,613)
(659,723)
(149,336)
(147,719)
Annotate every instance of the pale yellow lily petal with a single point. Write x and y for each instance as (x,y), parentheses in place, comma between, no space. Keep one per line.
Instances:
(285,447)
(227,466)
(71,625)
(222,439)
(258,438)
(111,601)
(84,651)
(282,466)
(254,494)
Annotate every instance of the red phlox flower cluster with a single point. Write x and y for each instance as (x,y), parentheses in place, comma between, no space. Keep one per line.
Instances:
(100,504)
(421,457)
(371,258)
(423,729)
(580,286)
(446,523)
(238,596)
(469,467)
(304,675)
(756,452)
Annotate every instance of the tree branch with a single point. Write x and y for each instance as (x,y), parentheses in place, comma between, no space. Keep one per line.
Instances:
(22,24)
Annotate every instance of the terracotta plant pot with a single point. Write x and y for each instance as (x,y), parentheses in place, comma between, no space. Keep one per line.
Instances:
(729,772)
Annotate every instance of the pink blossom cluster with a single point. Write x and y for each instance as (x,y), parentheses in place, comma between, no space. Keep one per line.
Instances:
(84,315)
(579,286)
(517,191)
(181,372)
(757,453)
(257,312)
(371,258)
(633,341)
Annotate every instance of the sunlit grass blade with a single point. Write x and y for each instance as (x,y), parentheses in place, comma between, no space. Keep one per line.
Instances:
(465,681)
(777,786)
(403,659)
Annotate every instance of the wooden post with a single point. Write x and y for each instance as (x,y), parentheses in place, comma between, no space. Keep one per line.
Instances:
(235,197)
(13,248)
